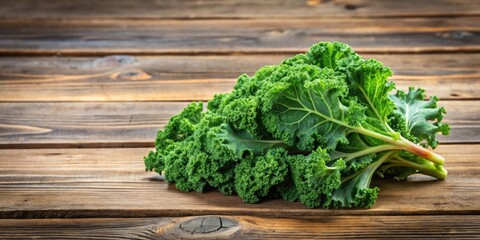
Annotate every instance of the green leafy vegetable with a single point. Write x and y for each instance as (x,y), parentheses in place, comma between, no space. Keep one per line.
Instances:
(315,128)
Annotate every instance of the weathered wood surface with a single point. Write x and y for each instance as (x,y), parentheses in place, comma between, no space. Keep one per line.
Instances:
(188,78)
(245,227)
(235,9)
(252,36)
(180,51)
(58,183)
(117,124)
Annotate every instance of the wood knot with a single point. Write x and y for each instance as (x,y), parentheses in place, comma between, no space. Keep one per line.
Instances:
(202,227)
(133,74)
(114,61)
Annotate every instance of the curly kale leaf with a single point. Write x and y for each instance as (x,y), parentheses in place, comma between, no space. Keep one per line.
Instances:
(312,178)
(303,107)
(179,128)
(256,176)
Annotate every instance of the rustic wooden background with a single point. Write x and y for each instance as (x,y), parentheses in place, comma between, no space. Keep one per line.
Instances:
(84,86)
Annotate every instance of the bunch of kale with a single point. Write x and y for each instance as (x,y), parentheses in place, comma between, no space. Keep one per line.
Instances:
(315,128)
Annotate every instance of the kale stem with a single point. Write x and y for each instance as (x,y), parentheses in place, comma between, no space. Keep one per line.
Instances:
(399,141)
(404,144)
(422,152)
(434,170)
(370,150)
(372,167)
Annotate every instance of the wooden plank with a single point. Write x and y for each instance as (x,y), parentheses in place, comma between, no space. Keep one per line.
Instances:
(114,124)
(188,78)
(236,9)
(84,124)
(58,183)
(259,36)
(246,227)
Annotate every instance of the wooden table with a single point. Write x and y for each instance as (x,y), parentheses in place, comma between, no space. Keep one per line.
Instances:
(84,86)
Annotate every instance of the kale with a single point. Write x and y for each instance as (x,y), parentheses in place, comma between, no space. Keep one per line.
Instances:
(315,128)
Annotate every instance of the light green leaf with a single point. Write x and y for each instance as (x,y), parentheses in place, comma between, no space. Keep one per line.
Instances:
(422,117)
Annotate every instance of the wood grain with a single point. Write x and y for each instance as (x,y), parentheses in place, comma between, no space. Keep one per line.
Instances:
(84,124)
(69,183)
(134,124)
(188,78)
(250,36)
(249,227)
(235,9)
